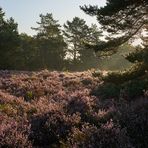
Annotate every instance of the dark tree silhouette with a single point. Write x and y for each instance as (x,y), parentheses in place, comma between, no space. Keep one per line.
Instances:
(125,18)
(9,41)
(50,42)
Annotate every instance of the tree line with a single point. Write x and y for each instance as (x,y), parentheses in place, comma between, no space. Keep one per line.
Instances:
(52,48)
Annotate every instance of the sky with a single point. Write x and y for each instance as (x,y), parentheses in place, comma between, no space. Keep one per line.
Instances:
(26,12)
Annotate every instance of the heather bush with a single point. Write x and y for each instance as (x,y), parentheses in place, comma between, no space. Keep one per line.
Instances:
(109,135)
(80,102)
(58,109)
(101,116)
(134,117)
(49,129)
(14,134)
(8,110)
(31,111)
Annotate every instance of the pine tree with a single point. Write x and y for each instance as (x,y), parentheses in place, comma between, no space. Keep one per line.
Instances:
(76,33)
(125,19)
(28,53)
(9,41)
(50,42)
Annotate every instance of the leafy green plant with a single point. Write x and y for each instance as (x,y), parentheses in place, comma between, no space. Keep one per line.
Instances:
(29,96)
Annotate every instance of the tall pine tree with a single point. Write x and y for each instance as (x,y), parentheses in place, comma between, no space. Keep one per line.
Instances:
(50,43)
(76,33)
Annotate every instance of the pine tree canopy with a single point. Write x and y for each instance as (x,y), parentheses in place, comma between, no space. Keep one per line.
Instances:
(123,20)
(119,17)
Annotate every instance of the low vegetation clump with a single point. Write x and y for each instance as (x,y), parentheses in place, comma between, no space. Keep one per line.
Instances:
(62,109)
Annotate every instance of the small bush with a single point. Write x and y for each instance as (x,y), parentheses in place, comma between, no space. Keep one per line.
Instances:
(107,91)
(31,111)
(108,135)
(8,109)
(29,96)
(135,88)
(52,127)
(134,117)
(80,102)
(13,134)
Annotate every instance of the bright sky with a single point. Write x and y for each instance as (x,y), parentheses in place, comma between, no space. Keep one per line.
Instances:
(26,12)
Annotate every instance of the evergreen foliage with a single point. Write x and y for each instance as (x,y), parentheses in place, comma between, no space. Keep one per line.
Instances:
(9,41)
(50,42)
(125,19)
(117,61)
(76,33)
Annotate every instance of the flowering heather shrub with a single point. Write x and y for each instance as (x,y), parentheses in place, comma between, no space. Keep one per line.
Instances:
(57,109)
(80,102)
(100,117)
(6,97)
(13,134)
(134,117)
(8,109)
(108,135)
(52,127)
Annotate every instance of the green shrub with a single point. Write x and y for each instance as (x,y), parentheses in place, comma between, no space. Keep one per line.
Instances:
(107,90)
(135,88)
(29,96)
(31,111)
(120,77)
